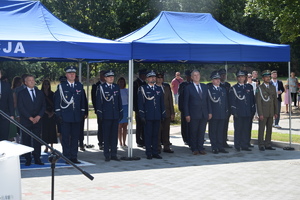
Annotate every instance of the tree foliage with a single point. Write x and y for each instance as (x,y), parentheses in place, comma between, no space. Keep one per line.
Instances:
(284,14)
(112,19)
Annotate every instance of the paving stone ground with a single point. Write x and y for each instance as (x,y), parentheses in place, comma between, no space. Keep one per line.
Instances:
(236,175)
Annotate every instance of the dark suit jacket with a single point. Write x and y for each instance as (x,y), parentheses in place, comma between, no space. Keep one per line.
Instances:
(6,99)
(193,105)
(27,108)
(280,87)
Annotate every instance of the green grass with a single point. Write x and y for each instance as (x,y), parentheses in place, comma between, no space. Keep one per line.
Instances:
(283,137)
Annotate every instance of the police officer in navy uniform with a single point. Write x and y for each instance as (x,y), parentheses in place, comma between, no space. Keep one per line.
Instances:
(219,106)
(152,111)
(109,112)
(242,103)
(184,124)
(70,110)
(227,87)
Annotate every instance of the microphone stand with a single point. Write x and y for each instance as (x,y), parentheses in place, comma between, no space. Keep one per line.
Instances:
(53,157)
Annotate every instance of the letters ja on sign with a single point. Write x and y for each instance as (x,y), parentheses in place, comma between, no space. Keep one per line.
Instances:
(10,47)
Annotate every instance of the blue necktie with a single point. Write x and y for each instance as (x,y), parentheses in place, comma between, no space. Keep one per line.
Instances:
(199,91)
(33,96)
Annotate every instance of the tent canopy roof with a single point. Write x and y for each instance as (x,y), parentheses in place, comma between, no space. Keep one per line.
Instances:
(198,37)
(29,31)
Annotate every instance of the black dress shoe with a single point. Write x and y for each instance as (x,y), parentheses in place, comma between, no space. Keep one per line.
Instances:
(115,158)
(270,148)
(107,159)
(261,148)
(246,149)
(140,145)
(28,163)
(168,151)
(82,149)
(250,145)
(215,151)
(39,163)
(101,147)
(223,151)
(74,160)
(157,156)
(149,157)
(227,146)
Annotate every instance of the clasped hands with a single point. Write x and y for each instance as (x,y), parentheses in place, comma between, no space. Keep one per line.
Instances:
(35,120)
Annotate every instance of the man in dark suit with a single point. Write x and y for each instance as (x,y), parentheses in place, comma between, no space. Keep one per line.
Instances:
(224,84)
(184,124)
(94,93)
(197,111)
(242,103)
(267,108)
(151,111)
(279,89)
(110,112)
(139,124)
(31,106)
(70,110)
(219,107)
(164,134)
(7,106)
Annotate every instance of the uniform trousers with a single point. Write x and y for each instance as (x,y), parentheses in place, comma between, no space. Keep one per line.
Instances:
(110,137)
(241,132)
(197,130)
(70,135)
(151,137)
(139,130)
(81,133)
(4,127)
(164,134)
(250,129)
(266,122)
(184,129)
(27,140)
(100,132)
(225,131)
(215,130)
(278,113)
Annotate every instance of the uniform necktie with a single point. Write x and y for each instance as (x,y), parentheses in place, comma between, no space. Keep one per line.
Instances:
(72,85)
(152,87)
(199,91)
(33,96)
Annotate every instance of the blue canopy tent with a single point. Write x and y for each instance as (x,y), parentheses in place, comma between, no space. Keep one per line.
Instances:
(197,37)
(30,32)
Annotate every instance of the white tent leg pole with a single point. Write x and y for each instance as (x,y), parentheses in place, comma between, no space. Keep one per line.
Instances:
(130,107)
(88,97)
(80,68)
(290,110)
(290,115)
(226,67)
